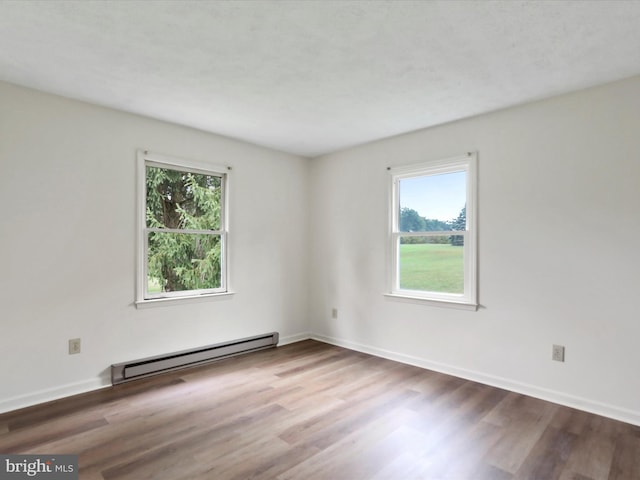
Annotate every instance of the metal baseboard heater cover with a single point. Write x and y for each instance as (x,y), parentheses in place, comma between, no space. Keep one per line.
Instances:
(145,367)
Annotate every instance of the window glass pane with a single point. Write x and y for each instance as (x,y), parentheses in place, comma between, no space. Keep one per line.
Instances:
(433,203)
(183,261)
(182,200)
(432,263)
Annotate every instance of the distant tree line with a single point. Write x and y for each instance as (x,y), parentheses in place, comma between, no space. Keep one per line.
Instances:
(412,221)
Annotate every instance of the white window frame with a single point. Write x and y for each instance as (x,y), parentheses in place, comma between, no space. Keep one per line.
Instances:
(143,298)
(468,299)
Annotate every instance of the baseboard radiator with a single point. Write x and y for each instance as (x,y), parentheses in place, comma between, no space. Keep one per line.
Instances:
(127,371)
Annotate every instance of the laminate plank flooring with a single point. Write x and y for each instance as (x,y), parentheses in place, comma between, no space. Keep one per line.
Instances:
(315,411)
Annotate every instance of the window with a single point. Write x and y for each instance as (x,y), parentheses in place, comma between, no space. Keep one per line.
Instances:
(433,231)
(182,234)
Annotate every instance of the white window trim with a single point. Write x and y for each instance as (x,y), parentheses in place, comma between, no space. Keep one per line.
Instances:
(469,299)
(145,158)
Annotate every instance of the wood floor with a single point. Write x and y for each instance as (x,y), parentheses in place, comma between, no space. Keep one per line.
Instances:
(316,411)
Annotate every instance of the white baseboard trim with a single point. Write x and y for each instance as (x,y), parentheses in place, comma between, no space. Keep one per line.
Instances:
(598,408)
(299,337)
(49,394)
(56,393)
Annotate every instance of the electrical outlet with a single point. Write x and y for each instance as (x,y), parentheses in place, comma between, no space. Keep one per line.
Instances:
(74,346)
(557,353)
(334,313)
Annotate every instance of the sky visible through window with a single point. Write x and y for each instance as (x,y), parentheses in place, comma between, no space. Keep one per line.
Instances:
(438,197)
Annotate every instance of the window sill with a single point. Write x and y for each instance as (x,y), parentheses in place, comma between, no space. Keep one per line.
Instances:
(161,302)
(435,303)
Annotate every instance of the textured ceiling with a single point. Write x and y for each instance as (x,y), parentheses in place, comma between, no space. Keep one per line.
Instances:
(312,77)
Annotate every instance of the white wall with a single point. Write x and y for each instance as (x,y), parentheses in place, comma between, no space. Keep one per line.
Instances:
(67,244)
(559,190)
(559,228)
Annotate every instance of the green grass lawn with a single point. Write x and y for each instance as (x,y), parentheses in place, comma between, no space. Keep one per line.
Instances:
(432,268)
(153,285)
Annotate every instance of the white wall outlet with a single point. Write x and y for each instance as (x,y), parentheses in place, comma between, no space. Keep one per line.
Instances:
(334,313)
(557,353)
(74,346)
